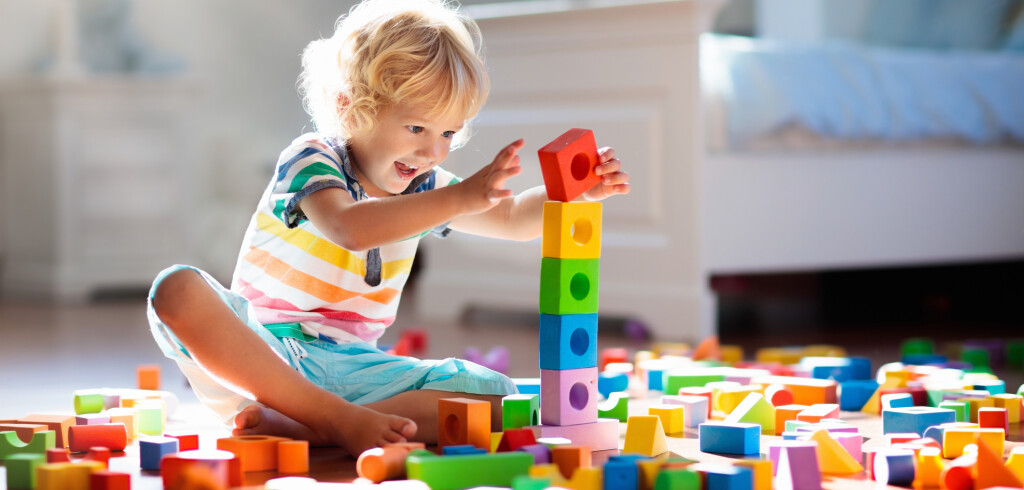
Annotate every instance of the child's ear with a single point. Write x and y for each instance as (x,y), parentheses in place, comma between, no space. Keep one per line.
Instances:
(342,103)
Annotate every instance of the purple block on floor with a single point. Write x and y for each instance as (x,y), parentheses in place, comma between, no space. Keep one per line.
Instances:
(775,449)
(541,453)
(798,468)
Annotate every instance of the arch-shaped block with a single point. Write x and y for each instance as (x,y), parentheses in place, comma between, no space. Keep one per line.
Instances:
(568,341)
(567,164)
(568,286)
(572,230)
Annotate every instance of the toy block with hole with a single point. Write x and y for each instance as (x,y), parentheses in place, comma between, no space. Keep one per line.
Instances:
(762,471)
(57,423)
(598,436)
(727,399)
(568,163)
(569,286)
(568,341)
(897,400)
(464,421)
(929,468)
(568,397)
(730,438)
(21,469)
(678,479)
(1012,405)
(695,410)
(174,467)
(725,476)
(570,458)
(385,463)
(806,391)
(645,435)
(797,468)
(110,436)
(518,411)
(609,383)
(541,453)
(153,448)
(293,457)
(815,413)
(513,439)
(255,452)
(914,419)
(955,439)
(784,414)
(894,467)
(572,230)
(148,376)
(611,355)
(25,431)
(959,408)
(616,407)
(990,470)
(450,472)
(92,419)
(833,459)
(756,410)
(671,417)
(778,395)
(110,480)
(989,417)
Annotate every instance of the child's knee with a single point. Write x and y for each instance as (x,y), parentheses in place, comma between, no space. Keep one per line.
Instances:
(172,293)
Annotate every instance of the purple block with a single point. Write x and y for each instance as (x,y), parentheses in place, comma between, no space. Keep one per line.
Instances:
(776,447)
(798,468)
(541,453)
(568,397)
(495,360)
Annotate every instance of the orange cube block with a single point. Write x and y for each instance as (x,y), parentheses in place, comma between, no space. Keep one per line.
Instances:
(256,453)
(784,413)
(293,457)
(463,421)
(569,458)
(148,376)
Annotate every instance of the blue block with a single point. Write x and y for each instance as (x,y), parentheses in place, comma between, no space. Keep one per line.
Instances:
(726,438)
(934,432)
(838,368)
(462,449)
(900,400)
(792,435)
(854,394)
(621,472)
(922,359)
(914,419)
(993,386)
(153,449)
(726,477)
(655,379)
(895,469)
(527,386)
(568,341)
(608,383)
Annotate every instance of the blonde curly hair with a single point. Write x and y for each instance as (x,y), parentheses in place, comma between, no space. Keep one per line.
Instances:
(384,52)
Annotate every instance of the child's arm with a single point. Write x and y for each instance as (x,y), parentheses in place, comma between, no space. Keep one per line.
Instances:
(521,217)
(367,224)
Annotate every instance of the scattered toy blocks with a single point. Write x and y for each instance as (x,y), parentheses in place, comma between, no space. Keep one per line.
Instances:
(598,436)
(463,421)
(955,439)
(695,408)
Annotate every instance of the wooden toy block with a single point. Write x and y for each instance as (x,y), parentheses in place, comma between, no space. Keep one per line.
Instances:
(598,436)
(1015,462)
(255,452)
(806,391)
(110,480)
(1011,403)
(678,479)
(88,401)
(756,410)
(58,455)
(513,439)
(569,396)
(645,435)
(541,453)
(569,458)
(385,463)
(572,230)
(616,407)
(833,459)
(153,448)
(955,439)
(897,400)
(152,417)
(785,413)
(21,470)
(929,468)
(25,431)
(761,469)
(452,472)
(990,470)
(959,408)
(915,419)
(959,473)
(110,436)
(148,376)
(730,438)
(186,442)
(57,423)
(569,286)
(464,421)
(815,413)
(724,476)
(778,395)
(568,341)
(975,404)
(92,419)
(176,468)
(63,476)
(518,411)
(894,467)
(612,355)
(568,163)
(293,457)
(727,399)
(989,417)
(100,454)
(797,468)
(695,411)
(10,443)
(671,417)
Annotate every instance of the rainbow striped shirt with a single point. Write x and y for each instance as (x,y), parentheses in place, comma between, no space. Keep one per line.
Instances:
(293,274)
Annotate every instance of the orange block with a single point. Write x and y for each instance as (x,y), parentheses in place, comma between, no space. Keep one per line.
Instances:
(784,413)
(569,458)
(806,391)
(778,395)
(463,421)
(293,457)
(991,472)
(197,469)
(256,453)
(815,413)
(959,473)
(57,423)
(111,436)
(148,376)
(567,164)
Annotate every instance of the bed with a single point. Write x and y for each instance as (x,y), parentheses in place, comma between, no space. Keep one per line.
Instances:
(714,195)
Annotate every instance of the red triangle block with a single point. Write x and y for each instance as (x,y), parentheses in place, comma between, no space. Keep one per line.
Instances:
(514,439)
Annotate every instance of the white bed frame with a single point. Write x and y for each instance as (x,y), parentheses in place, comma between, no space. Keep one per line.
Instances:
(629,71)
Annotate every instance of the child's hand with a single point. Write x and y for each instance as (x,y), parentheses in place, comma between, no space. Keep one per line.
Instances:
(486,187)
(613,180)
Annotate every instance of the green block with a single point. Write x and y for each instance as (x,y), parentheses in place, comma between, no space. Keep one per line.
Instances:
(41,441)
(677,479)
(672,382)
(917,346)
(525,482)
(959,407)
(791,425)
(88,401)
(755,409)
(977,358)
(616,407)
(568,286)
(151,419)
(1015,353)
(21,470)
(518,411)
(464,471)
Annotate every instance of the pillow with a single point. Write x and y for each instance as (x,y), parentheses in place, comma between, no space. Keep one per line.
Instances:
(938,24)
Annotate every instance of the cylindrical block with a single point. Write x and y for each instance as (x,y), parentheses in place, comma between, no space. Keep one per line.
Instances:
(382,463)
(293,457)
(88,402)
(111,436)
(895,467)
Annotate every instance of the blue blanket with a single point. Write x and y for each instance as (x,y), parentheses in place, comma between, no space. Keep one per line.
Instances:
(845,90)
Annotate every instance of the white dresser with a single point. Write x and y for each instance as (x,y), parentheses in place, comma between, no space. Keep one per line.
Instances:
(96,177)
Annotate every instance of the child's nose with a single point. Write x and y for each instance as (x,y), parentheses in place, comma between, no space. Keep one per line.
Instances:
(433,151)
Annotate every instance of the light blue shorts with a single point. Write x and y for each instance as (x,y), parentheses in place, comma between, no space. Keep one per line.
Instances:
(359,372)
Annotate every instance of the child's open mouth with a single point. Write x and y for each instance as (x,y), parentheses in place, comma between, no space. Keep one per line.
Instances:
(405,170)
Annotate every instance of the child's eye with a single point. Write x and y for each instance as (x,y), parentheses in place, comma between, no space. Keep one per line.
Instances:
(448,134)
(415,129)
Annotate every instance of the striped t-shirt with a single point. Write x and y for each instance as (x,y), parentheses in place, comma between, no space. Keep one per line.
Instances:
(293,274)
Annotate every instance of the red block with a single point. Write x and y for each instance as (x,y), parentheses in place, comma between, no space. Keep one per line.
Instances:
(110,480)
(608,356)
(514,439)
(996,418)
(186,442)
(567,164)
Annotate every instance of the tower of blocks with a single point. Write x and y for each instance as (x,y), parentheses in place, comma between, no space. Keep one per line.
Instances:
(571,246)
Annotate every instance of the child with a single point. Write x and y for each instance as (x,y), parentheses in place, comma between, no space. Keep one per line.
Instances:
(290,349)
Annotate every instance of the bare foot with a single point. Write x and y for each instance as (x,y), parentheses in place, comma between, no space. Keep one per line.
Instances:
(356,428)
(260,420)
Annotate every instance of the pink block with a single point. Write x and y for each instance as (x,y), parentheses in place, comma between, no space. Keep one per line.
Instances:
(598,436)
(798,469)
(92,419)
(569,396)
(853,443)
(777,447)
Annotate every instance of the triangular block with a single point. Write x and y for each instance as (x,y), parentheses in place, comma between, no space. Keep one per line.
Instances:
(756,410)
(645,435)
(991,470)
(833,459)
(513,439)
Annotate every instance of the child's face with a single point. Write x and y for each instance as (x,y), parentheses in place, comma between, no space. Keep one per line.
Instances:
(405,143)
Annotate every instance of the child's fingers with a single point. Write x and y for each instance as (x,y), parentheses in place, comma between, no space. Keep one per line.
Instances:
(622,188)
(606,153)
(608,167)
(615,178)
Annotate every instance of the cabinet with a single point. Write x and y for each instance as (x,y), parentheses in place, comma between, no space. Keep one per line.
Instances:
(97,183)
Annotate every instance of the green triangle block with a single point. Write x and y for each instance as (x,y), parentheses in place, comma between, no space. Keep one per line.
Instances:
(755,409)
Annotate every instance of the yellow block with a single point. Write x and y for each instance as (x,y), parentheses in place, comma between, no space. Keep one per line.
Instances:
(644,435)
(731,354)
(833,459)
(572,230)
(762,469)
(66,476)
(649,470)
(929,468)
(1015,462)
(584,479)
(495,440)
(781,355)
(549,471)
(671,417)
(975,404)
(954,440)
(1011,403)
(727,399)
(824,350)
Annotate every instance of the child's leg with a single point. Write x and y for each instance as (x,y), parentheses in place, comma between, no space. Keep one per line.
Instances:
(420,406)
(229,350)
